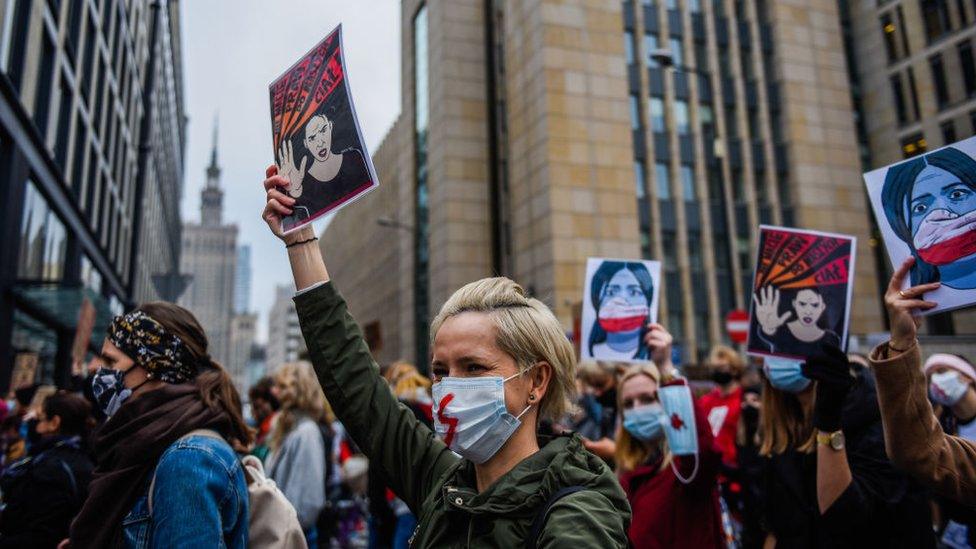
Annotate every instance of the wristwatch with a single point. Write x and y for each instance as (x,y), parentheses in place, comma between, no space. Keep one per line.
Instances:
(834,440)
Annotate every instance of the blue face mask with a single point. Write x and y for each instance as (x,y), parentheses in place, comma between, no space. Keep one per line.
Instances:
(470,415)
(645,423)
(785,374)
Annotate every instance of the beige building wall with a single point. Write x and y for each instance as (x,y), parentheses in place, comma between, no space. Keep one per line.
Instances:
(825,174)
(569,144)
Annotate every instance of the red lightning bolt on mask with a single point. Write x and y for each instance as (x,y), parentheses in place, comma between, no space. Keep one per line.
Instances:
(451,422)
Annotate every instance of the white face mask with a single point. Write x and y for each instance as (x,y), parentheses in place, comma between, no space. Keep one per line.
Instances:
(947,388)
(470,415)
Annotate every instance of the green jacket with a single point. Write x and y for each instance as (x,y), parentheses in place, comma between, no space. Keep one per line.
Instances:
(437,485)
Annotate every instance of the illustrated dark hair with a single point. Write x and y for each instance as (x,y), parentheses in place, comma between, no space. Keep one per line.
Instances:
(896,198)
(216,387)
(601,278)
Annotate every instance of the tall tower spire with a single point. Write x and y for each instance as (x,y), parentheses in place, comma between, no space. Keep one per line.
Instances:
(212,197)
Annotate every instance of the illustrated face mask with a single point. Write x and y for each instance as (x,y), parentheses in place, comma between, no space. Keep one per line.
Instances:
(943,217)
(785,374)
(645,423)
(470,415)
(616,315)
(947,388)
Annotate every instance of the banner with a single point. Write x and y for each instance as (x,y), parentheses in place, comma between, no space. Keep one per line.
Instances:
(318,145)
(620,297)
(801,295)
(926,208)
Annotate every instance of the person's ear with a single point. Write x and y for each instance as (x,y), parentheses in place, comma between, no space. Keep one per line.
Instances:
(55,422)
(539,378)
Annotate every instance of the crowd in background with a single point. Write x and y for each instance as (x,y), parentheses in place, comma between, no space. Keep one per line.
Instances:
(151,447)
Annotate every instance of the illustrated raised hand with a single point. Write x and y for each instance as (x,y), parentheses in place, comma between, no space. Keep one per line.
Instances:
(832,371)
(279,204)
(902,306)
(767,310)
(294,174)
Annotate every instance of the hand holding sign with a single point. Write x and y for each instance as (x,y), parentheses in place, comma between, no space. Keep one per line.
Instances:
(659,341)
(767,310)
(902,304)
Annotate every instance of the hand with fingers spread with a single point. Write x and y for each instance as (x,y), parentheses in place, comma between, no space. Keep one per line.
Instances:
(903,306)
(659,341)
(278,205)
(294,174)
(767,310)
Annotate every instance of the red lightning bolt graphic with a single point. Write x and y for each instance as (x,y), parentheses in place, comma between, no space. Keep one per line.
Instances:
(676,422)
(451,422)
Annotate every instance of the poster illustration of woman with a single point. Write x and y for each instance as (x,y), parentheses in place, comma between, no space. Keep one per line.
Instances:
(620,300)
(317,141)
(801,292)
(926,207)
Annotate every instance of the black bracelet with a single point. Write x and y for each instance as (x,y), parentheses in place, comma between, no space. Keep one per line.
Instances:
(299,242)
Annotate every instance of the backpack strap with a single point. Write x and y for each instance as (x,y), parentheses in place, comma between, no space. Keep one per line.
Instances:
(209,433)
(540,517)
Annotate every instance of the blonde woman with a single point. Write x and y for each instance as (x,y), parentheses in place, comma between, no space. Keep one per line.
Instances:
(501,362)
(299,455)
(667,512)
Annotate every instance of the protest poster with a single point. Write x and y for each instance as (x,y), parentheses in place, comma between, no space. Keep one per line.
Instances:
(318,145)
(620,298)
(926,208)
(801,292)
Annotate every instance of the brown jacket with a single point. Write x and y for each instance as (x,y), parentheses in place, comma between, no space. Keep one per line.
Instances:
(914,439)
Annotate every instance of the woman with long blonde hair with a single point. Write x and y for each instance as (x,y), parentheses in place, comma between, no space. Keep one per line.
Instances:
(667,511)
(299,457)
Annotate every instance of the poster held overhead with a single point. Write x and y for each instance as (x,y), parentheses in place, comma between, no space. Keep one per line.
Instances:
(620,297)
(318,145)
(801,292)
(926,208)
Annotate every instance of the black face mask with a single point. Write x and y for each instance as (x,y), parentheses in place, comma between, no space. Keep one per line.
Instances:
(722,378)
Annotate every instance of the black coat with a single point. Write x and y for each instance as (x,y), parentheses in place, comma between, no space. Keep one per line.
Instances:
(881,508)
(43,493)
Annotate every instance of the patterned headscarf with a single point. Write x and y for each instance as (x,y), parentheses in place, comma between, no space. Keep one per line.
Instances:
(162,354)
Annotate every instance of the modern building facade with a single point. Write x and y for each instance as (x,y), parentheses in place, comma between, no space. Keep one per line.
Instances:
(209,257)
(285,341)
(913,70)
(92,133)
(534,134)
(242,332)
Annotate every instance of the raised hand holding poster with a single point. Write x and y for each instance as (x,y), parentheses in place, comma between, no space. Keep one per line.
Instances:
(620,298)
(926,208)
(318,145)
(801,295)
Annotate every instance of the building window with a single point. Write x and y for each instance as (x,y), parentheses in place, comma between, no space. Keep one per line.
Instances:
(662,180)
(43,240)
(681,117)
(634,113)
(688,183)
(968,67)
(629,47)
(45,78)
(899,97)
(935,13)
(421,206)
(64,124)
(939,80)
(656,108)
(948,132)
(914,91)
(677,55)
(888,29)
(639,179)
(650,45)
(913,145)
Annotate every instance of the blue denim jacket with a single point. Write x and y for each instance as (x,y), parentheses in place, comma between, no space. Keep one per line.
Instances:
(199,499)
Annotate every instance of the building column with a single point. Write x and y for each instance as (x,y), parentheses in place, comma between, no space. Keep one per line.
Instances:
(13,178)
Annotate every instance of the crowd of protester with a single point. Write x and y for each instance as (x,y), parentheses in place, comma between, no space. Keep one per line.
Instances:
(506,442)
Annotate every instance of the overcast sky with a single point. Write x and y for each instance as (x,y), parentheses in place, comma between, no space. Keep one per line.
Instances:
(232,50)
